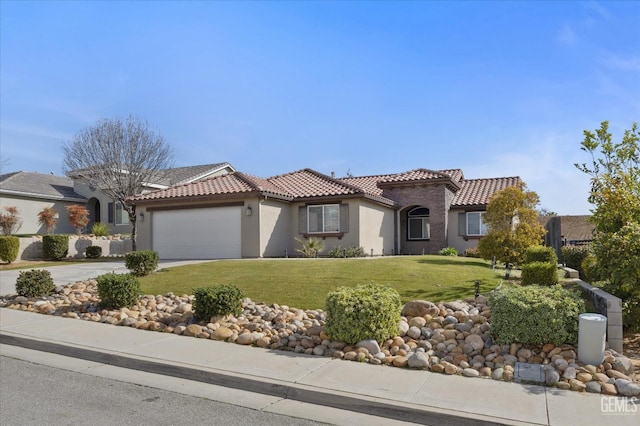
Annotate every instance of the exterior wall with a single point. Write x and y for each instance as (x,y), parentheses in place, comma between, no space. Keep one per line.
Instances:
(459,242)
(274,218)
(250,228)
(349,238)
(29,209)
(437,198)
(376,227)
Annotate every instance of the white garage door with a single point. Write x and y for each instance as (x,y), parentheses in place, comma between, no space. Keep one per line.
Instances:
(208,233)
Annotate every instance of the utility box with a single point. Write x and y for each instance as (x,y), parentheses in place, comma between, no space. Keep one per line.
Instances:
(592,338)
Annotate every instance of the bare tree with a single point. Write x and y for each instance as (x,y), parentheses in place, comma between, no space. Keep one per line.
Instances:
(118,157)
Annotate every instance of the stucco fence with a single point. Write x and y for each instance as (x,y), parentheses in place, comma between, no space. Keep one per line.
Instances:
(113,245)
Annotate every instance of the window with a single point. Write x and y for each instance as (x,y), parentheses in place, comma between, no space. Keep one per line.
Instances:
(323,219)
(418,224)
(475,224)
(121,214)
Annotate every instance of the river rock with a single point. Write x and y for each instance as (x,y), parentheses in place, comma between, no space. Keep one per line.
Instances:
(418,360)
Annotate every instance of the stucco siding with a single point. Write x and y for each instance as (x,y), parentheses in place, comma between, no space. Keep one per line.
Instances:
(376,228)
(29,208)
(274,228)
(459,242)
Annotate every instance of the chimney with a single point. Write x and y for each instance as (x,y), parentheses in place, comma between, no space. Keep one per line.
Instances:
(333,174)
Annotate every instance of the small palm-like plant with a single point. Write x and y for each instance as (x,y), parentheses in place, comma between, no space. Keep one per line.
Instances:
(311,247)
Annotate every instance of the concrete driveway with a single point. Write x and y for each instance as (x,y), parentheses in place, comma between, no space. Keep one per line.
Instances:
(65,274)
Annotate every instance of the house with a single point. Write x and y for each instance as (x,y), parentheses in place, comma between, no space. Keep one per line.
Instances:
(238,215)
(31,192)
(567,230)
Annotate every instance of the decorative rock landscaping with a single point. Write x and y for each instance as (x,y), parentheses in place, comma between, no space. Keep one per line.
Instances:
(448,338)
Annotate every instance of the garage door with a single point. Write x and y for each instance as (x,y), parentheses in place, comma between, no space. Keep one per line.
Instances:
(209,233)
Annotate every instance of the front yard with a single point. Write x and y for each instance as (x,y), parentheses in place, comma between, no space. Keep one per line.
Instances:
(304,283)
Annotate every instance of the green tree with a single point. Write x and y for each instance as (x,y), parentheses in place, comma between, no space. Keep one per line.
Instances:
(512,220)
(615,194)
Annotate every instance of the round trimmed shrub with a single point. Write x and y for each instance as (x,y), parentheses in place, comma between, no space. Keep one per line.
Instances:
(118,290)
(9,247)
(141,262)
(224,299)
(35,283)
(55,246)
(93,252)
(535,315)
(368,311)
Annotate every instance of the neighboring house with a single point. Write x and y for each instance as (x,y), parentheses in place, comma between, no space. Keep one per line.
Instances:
(243,216)
(567,230)
(31,192)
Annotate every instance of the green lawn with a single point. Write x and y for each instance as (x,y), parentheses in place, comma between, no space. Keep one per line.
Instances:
(304,283)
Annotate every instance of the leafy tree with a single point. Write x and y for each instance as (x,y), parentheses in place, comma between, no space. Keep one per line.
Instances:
(10,220)
(118,157)
(512,220)
(78,216)
(48,217)
(615,194)
(544,212)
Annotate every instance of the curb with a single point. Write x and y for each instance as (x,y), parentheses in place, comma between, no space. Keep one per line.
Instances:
(299,393)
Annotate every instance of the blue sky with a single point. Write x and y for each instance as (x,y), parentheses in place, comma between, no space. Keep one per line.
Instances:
(493,88)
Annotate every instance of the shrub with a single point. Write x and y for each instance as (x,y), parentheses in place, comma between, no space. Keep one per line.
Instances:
(93,252)
(541,273)
(34,283)
(141,262)
(368,311)
(591,270)
(10,220)
(78,217)
(99,229)
(55,247)
(9,247)
(535,315)
(541,254)
(48,217)
(118,290)
(217,300)
(448,251)
(341,252)
(473,252)
(572,256)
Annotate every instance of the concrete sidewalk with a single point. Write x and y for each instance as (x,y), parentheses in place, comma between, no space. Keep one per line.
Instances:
(284,378)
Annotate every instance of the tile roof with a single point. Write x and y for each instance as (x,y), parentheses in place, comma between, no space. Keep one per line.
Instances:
(476,192)
(39,185)
(309,184)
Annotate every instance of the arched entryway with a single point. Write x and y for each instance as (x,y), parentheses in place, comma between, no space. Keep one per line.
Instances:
(93,205)
(415,230)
